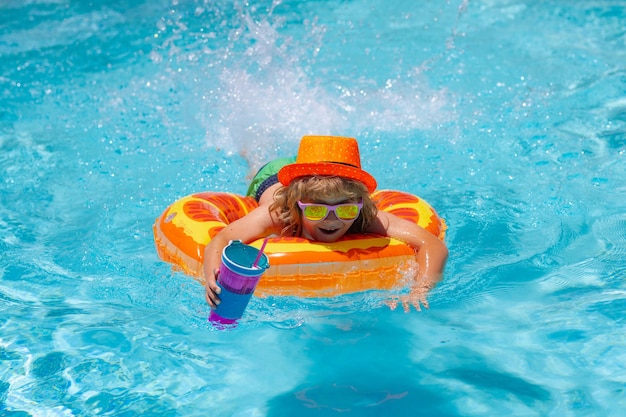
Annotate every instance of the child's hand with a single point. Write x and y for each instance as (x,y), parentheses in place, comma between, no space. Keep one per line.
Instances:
(211,289)
(416,298)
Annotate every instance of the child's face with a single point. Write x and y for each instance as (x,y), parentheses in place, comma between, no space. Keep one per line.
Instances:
(331,228)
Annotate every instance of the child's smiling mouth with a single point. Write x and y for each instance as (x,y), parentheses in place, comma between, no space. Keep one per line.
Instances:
(329,231)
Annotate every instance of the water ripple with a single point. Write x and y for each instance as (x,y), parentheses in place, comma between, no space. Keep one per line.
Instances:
(611,231)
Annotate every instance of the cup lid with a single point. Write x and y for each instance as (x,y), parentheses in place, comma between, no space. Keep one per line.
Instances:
(240,258)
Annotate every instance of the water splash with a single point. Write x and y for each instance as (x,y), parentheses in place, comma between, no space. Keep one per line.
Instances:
(272,90)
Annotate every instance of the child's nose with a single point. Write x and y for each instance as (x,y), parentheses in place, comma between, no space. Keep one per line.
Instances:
(332,216)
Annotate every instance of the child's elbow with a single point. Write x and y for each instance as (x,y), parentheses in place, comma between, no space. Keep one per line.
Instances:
(444,252)
(440,248)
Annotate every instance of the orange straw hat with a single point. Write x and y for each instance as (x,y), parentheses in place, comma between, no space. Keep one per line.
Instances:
(327,155)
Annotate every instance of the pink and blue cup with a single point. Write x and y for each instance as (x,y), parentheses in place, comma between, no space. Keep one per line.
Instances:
(242,267)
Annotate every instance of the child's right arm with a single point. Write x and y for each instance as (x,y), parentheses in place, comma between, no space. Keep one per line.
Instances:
(255,225)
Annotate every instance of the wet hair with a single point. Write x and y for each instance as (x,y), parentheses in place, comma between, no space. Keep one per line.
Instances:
(314,188)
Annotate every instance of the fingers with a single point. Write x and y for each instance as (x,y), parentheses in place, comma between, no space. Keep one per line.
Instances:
(392,304)
(406,302)
(212,289)
(417,300)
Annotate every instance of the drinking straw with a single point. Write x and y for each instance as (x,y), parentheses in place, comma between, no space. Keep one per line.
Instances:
(258,257)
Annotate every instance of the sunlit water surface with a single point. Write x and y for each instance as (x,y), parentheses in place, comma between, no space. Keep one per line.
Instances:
(508,116)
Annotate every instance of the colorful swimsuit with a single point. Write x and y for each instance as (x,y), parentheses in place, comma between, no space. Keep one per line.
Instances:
(267,176)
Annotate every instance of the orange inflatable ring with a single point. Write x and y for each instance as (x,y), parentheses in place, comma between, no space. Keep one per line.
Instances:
(298,267)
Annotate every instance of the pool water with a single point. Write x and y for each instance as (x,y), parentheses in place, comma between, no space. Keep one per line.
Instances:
(508,116)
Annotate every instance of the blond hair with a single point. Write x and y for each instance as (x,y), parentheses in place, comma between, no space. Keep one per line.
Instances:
(315,188)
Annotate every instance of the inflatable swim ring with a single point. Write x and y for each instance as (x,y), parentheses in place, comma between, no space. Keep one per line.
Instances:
(298,267)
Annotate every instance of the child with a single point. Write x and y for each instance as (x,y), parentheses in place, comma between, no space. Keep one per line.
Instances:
(323,195)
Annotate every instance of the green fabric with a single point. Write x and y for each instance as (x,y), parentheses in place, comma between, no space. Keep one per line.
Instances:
(266,171)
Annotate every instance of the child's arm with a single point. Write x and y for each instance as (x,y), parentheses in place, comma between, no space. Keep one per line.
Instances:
(255,225)
(431,256)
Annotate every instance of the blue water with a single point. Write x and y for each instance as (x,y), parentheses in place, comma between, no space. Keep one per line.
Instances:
(508,116)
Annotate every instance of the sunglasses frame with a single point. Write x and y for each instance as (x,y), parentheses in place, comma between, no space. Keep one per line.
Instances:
(330,208)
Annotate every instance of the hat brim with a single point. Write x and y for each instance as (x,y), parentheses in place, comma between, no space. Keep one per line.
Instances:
(292,171)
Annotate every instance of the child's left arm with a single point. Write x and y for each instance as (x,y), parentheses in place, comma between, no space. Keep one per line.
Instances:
(431,256)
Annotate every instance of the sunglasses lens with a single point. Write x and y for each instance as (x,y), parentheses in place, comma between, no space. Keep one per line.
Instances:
(315,212)
(347,211)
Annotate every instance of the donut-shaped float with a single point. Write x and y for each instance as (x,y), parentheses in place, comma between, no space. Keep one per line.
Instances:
(298,267)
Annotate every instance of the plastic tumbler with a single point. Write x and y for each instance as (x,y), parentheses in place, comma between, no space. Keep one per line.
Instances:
(238,279)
